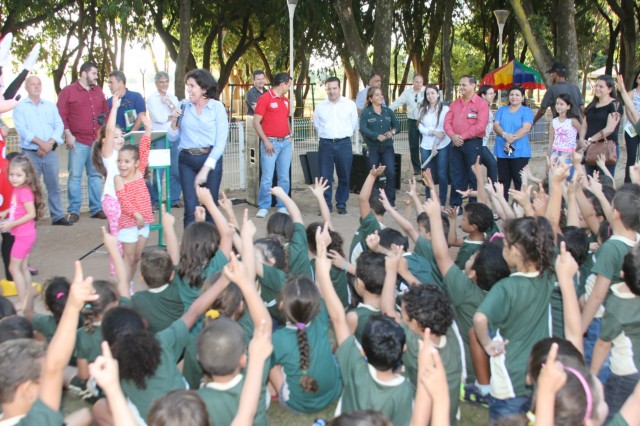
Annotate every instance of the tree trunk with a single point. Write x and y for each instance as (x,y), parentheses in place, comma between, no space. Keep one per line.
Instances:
(184,49)
(435,27)
(382,41)
(352,76)
(626,11)
(567,40)
(447,33)
(352,38)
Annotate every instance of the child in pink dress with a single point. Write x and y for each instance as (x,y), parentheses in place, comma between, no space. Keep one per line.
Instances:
(27,203)
(563,132)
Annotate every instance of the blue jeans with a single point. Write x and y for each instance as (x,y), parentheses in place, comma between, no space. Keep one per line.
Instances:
(79,159)
(189,166)
(48,167)
(462,158)
(278,162)
(385,156)
(612,168)
(590,339)
(499,408)
(339,153)
(617,390)
(176,188)
(632,154)
(489,161)
(439,167)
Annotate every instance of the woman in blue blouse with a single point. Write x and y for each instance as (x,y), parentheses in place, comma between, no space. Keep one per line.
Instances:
(203,135)
(512,124)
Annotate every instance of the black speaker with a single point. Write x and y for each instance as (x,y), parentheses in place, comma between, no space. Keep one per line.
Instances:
(360,169)
(310,166)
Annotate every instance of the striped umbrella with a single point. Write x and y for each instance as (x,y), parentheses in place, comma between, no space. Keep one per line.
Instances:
(513,72)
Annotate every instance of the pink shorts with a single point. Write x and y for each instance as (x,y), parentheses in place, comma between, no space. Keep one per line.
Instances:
(22,246)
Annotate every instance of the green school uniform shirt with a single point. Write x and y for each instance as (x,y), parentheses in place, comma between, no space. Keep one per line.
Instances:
(617,419)
(419,267)
(451,355)
(368,225)
(465,297)
(518,310)
(621,327)
(322,365)
(340,280)
(424,248)
(159,306)
(223,399)
(364,312)
(610,256)
(88,344)
(271,283)
(298,252)
(466,251)
(166,378)
(364,391)
(40,414)
(44,324)
(188,293)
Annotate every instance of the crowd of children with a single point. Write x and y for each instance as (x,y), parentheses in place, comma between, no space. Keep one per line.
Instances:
(535,314)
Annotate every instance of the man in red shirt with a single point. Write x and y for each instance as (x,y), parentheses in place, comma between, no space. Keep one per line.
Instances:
(465,124)
(271,122)
(81,106)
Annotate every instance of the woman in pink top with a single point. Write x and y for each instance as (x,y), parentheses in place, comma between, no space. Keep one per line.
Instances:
(133,195)
(27,204)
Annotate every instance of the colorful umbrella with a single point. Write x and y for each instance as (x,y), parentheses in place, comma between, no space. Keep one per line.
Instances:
(513,72)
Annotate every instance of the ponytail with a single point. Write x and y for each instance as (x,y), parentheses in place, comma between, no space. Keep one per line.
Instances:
(307,382)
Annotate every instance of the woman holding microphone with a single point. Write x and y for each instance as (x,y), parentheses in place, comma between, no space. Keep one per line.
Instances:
(202,129)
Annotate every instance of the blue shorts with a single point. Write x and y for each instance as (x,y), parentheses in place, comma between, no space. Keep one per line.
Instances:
(133,233)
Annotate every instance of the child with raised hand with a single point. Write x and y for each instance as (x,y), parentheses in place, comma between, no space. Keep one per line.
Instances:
(425,307)
(432,402)
(477,220)
(371,213)
(133,196)
(104,156)
(371,382)
(221,352)
(517,310)
(147,362)
(56,293)
(27,206)
(466,289)
(370,272)
(30,378)
(291,227)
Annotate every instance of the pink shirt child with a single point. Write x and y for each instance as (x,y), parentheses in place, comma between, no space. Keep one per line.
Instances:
(21,195)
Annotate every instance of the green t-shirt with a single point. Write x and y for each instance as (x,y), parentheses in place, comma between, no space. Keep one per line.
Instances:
(159,306)
(44,324)
(340,280)
(419,267)
(364,391)
(465,297)
(298,252)
(271,283)
(190,293)
(368,225)
(518,310)
(466,251)
(610,256)
(42,415)
(322,365)
(617,419)
(88,344)
(222,400)
(424,248)
(451,355)
(621,327)
(364,312)
(166,378)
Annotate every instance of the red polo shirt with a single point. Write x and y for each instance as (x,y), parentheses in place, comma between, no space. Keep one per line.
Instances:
(467,118)
(274,110)
(78,108)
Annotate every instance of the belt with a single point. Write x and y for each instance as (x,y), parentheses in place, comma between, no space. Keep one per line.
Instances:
(197,151)
(335,139)
(30,150)
(279,138)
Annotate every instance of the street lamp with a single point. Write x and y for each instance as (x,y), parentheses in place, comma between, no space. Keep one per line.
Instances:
(501,17)
(292,10)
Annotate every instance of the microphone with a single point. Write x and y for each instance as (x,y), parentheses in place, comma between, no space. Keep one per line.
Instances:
(183,107)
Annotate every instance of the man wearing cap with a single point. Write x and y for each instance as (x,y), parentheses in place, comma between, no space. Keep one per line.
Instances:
(560,85)
(271,122)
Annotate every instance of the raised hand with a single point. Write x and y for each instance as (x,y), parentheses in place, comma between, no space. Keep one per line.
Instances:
(319,187)
(384,200)
(377,171)
(236,272)
(277,191)
(373,241)
(200,214)
(168,220)
(427,178)
(81,290)
(552,375)
(432,208)
(105,370)
(204,195)
(261,344)
(566,265)
(248,227)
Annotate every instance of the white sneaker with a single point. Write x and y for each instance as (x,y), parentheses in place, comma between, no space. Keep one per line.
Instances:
(32,58)
(283,210)
(5,49)
(262,213)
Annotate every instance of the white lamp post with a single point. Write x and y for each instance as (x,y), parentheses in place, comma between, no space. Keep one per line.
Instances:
(292,10)
(501,17)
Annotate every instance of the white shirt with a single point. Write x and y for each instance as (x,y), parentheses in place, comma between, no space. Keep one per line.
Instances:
(111,166)
(336,120)
(428,124)
(159,111)
(412,100)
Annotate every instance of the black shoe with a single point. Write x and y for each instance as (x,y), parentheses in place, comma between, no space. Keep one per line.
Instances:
(73,217)
(99,215)
(342,210)
(62,222)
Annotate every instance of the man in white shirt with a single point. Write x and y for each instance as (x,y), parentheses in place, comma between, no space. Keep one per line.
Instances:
(336,119)
(412,97)
(161,106)
(361,97)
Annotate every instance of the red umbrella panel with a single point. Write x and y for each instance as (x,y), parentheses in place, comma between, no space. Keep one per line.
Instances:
(514,73)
